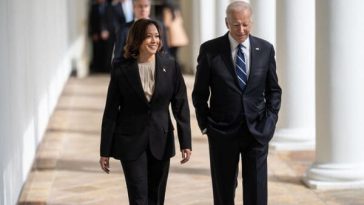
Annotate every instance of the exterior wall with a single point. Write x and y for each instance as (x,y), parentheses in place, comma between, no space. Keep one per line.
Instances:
(36,51)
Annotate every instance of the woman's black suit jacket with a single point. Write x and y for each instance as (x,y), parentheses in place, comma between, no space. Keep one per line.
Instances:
(130,123)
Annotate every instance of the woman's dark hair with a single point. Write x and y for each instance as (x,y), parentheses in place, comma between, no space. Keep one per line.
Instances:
(136,36)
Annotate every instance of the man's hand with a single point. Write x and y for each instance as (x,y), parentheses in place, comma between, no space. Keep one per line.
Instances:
(186,154)
(104,163)
(105,35)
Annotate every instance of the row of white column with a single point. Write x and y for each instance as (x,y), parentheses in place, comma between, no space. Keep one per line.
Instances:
(321,68)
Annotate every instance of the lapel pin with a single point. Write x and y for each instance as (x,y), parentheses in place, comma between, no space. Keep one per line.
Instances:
(257,49)
(164,70)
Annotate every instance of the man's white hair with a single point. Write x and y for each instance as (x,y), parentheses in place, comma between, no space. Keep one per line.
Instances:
(237,6)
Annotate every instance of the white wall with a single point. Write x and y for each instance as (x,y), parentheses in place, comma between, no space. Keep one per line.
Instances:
(35,62)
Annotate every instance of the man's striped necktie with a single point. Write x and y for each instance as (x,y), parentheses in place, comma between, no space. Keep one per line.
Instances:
(241,67)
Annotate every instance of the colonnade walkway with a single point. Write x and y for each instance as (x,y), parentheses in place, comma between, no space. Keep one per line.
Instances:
(66,169)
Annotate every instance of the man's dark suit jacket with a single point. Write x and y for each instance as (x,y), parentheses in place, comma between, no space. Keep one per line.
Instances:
(229,106)
(121,36)
(130,123)
(99,21)
(118,16)
(120,41)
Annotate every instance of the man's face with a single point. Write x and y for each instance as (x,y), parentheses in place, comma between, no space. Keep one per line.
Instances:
(239,24)
(142,9)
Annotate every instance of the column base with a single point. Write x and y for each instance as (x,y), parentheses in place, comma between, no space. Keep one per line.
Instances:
(293,139)
(334,176)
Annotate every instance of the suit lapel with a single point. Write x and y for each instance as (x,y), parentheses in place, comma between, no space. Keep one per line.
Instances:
(132,74)
(159,68)
(228,60)
(226,55)
(254,53)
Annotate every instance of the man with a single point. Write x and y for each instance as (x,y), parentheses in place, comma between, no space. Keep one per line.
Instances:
(241,85)
(101,33)
(119,16)
(141,9)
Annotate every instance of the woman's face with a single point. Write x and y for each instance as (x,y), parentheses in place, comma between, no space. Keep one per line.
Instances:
(151,42)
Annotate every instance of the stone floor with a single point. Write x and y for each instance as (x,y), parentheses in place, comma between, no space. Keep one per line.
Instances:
(66,169)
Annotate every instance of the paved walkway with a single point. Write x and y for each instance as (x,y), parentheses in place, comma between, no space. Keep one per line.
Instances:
(66,169)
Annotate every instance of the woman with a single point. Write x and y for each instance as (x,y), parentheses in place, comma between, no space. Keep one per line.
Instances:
(136,126)
(176,34)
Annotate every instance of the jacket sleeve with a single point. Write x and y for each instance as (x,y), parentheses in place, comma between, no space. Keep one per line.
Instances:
(273,91)
(201,89)
(181,111)
(112,108)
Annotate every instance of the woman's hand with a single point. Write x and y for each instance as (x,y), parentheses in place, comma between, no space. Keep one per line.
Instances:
(186,154)
(104,163)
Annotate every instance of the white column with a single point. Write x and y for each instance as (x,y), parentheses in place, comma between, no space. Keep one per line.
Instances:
(264,19)
(296,61)
(340,97)
(221,28)
(199,19)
